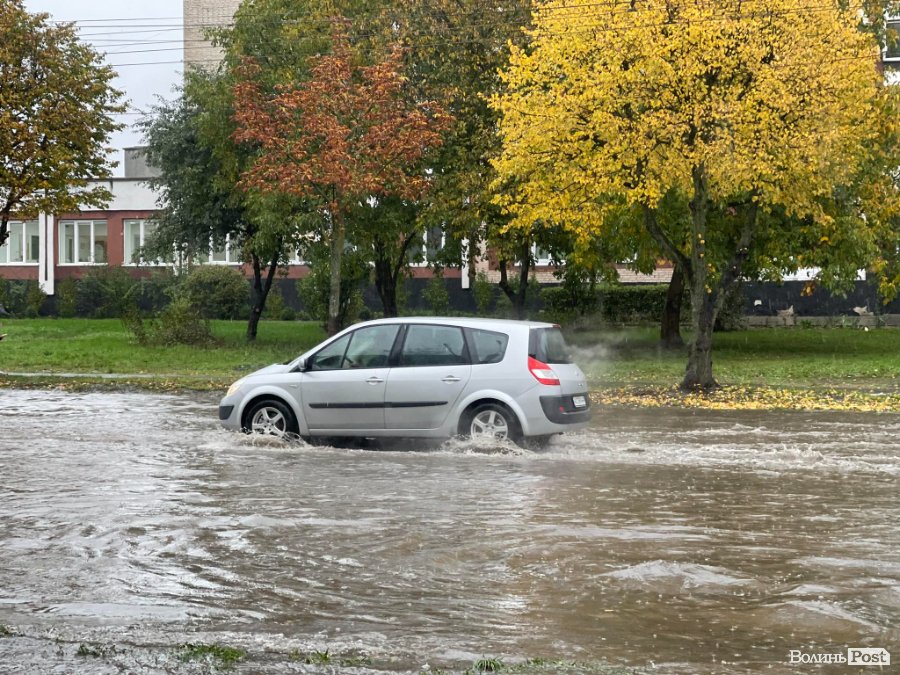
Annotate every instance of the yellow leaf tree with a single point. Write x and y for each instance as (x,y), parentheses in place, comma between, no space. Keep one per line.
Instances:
(744,112)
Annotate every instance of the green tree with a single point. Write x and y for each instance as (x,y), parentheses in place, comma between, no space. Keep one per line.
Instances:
(200,205)
(56,107)
(386,233)
(455,50)
(747,115)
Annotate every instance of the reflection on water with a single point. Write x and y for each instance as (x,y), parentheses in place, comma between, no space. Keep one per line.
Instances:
(683,540)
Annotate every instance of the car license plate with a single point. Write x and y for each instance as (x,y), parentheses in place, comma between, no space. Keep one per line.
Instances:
(579,401)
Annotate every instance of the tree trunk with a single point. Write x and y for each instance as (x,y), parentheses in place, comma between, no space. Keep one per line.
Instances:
(699,372)
(386,285)
(333,324)
(261,288)
(670,328)
(387,272)
(517,296)
(522,291)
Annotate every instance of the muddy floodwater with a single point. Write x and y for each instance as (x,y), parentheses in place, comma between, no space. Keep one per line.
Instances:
(660,541)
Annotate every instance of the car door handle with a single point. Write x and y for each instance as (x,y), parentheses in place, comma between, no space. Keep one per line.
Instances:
(451,379)
(374,380)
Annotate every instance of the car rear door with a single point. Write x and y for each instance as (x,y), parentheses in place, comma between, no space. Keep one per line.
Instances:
(431,371)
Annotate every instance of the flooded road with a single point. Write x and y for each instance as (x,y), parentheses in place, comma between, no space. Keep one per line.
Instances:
(659,540)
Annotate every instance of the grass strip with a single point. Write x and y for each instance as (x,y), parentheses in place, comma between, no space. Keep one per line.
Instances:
(792,369)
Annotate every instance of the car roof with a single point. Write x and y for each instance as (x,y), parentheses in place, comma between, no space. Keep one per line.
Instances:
(467,322)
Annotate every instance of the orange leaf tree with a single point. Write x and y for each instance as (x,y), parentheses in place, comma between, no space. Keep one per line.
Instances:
(347,135)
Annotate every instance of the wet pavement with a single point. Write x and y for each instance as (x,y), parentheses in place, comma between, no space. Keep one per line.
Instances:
(658,540)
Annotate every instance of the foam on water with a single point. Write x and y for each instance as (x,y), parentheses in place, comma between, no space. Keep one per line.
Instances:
(657,574)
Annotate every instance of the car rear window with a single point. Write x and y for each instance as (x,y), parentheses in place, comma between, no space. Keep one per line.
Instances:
(549,346)
(488,346)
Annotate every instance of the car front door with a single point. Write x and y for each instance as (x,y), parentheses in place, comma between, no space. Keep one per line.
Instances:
(431,372)
(344,385)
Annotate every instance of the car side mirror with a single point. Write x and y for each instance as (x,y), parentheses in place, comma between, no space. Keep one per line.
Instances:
(301,367)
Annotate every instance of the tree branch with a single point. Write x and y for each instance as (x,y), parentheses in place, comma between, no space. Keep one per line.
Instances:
(664,241)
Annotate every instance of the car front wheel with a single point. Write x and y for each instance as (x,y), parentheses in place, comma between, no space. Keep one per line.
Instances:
(270,418)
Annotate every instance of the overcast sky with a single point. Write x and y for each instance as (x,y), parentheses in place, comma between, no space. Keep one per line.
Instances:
(143,42)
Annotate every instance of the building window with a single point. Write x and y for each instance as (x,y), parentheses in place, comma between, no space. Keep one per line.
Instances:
(892,52)
(542,256)
(23,245)
(136,234)
(229,254)
(426,248)
(83,242)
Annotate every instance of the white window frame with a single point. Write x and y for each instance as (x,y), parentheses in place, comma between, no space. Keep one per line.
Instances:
(545,261)
(78,224)
(228,253)
(6,249)
(142,224)
(536,261)
(892,23)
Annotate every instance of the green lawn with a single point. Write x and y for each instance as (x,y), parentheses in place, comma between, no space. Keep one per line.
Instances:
(798,358)
(103,346)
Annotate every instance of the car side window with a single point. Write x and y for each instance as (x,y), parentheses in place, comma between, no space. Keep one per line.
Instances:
(427,345)
(371,347)
(331,357)
(488,345)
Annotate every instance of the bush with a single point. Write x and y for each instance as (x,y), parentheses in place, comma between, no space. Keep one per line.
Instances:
(215,291)
(274,303)
(13,296)
(314,290)
(436,296)
(67,298)
(575,297)
(22,298)
(618,303)
(34,299)
(157,290)
(180,323)
(632,303)
(106,292)
(483,293)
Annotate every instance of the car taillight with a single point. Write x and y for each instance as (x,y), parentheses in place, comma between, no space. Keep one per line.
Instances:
(542,372)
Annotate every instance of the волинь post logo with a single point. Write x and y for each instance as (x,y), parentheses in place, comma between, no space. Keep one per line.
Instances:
(855,656)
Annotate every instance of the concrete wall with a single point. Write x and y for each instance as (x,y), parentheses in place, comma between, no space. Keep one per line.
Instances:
(136,164)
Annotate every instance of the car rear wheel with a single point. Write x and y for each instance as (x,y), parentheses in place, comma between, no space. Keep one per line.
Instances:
(491,421)
(270,417)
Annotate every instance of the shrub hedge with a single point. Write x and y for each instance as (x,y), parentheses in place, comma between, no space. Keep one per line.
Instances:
(615,304)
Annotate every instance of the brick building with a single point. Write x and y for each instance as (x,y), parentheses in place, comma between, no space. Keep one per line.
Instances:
(199,17)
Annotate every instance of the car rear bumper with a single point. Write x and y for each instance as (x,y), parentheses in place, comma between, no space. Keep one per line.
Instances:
(562,410)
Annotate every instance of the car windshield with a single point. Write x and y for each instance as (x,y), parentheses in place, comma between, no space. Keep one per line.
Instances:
(549,346)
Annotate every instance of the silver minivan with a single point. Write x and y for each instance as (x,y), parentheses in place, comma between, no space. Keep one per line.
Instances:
(425,377)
